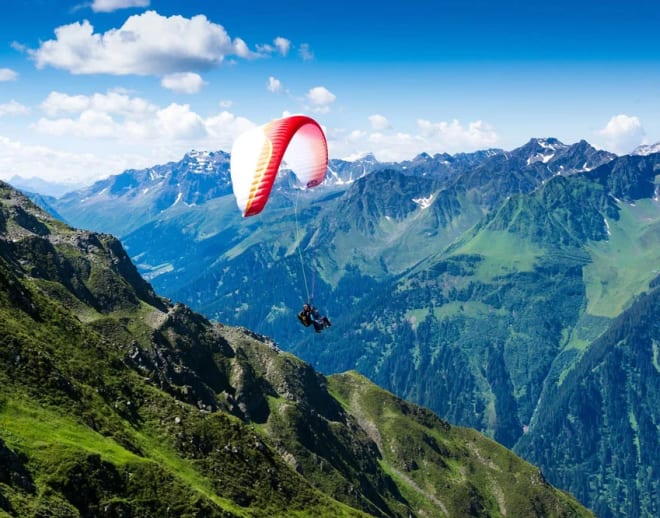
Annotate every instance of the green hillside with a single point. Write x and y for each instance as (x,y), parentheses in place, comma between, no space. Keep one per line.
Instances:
(622,266)
(423,453)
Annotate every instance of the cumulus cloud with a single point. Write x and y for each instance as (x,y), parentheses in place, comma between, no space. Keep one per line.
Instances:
(119,117)
(177,121)
(7,74)
(128,120)
(13,108)
(321,99)
(305,52)
(357,135)
(280,45)
(28,160)
(107,6)
(113,102)
(113,115)
(183,82)
(274,85)
(223,129)
(623,133)
(89,124)
(430,137)
(147,44)
(454,137)
(283,45)
(116,131)
(379,122)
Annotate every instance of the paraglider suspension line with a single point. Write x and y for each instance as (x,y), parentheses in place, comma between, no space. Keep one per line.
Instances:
(300,255)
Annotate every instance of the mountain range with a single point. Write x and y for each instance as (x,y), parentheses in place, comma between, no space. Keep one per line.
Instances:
(486,286)
(117,402)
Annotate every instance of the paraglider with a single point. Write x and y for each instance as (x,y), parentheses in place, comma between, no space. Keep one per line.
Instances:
(310,315)
(256,157)
(257,154)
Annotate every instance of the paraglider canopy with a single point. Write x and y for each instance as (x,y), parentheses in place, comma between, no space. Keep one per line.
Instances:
(257,154)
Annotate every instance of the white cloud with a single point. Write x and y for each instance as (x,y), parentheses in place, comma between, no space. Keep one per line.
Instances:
(107,6)
(113,115)
(357,135)
(147,44)
(274,85)
(13,108)
(177,121)
(305,52)
(280,46)
(134,121)
(89,124)
(623,133)
(379,122)
(183,82)
(19,47)
(7,74)
(321,98)
(57,103)
(242,50)
(29,160)
(430,137)
(115,132)
(115,102)
(453,137)
(174,122)
(224,128)
(283,45)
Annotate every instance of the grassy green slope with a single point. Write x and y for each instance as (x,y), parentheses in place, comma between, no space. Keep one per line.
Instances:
(97,410)
(73,411)
(445,470)
(622,266)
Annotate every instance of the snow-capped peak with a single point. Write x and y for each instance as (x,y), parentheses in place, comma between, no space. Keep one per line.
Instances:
(544,150)
(203,162)
(647,149)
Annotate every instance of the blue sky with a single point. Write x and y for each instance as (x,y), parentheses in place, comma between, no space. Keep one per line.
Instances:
(92,88)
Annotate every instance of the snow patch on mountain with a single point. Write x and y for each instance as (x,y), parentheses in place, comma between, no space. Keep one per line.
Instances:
(424,203)
(647,149)
(544,150)
(202,161)
(539,157)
